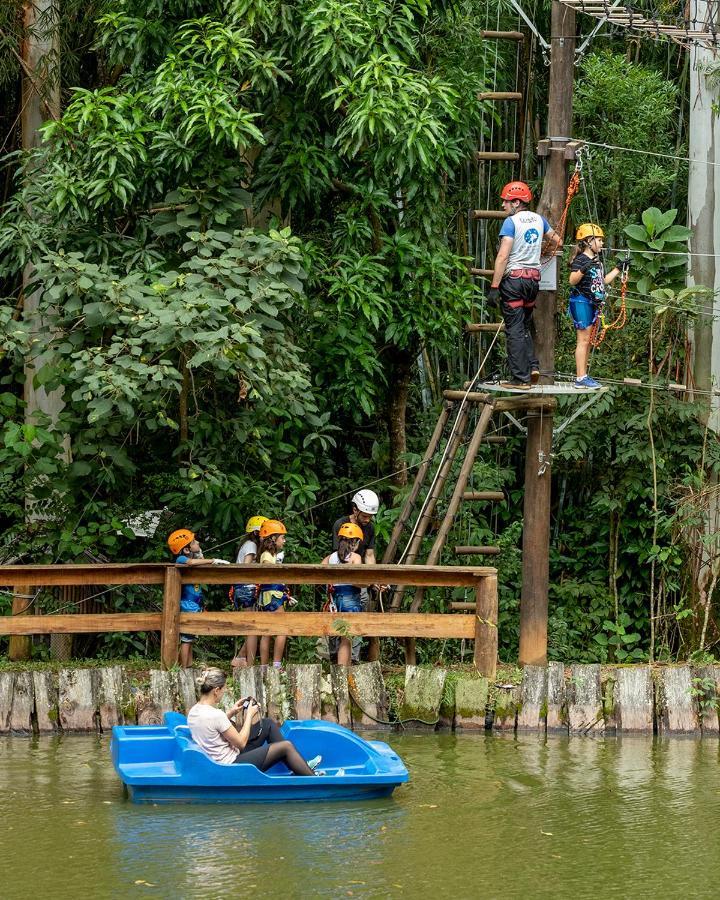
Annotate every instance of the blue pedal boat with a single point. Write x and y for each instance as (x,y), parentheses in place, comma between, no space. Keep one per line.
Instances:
(162,764)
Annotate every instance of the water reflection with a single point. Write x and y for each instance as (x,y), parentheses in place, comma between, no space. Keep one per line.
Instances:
(490,816)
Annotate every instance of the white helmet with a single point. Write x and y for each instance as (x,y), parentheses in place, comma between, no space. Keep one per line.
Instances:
(367,502)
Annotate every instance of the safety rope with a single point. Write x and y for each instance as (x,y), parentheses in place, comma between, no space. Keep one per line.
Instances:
(602,326)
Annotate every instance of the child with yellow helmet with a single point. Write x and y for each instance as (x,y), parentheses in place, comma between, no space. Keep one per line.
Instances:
(187,552)
(345,598)
(587,295)
(244,596)
(272,597)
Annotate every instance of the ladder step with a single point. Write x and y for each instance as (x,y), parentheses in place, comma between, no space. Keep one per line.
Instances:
(489,214)
(480,155)
(496,439)
(484,495)
(481,273)
(473,327)
(503,35)
(499,95)
(477,551)
(471,397)
(460,606)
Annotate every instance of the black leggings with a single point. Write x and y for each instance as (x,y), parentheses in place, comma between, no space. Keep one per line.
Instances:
(266,746)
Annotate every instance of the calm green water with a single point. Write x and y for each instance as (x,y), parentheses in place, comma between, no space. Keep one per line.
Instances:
(483,817)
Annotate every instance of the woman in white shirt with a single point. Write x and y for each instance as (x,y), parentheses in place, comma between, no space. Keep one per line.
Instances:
(258,741)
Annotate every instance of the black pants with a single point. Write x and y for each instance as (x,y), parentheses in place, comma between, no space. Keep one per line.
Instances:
(518,297)
(264,733)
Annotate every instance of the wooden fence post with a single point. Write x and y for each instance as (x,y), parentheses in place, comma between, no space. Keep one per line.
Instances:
(486,632)
(170,624)
(19,648)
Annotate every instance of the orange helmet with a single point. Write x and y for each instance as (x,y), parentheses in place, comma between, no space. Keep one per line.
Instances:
(271,526)
(516,190)
(348,530)
(179,539)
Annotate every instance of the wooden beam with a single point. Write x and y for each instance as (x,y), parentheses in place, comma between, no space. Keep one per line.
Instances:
(486,632)
(473,327)
(481,273)
(489,496)
(496,155)
(499,95)
(503,35)
(170,618)
(489,214)
(521,403)
(464,550)
(312,624)
(81,623)
(154,573)
(471,397)
(462,606)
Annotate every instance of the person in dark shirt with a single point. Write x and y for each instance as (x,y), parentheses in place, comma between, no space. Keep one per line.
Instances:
(587,296)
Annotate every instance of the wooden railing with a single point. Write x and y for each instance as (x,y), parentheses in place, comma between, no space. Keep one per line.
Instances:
(482,627)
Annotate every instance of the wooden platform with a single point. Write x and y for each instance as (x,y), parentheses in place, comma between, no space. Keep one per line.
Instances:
(541,390)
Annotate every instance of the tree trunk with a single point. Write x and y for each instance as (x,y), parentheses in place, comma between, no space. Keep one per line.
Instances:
(400,374)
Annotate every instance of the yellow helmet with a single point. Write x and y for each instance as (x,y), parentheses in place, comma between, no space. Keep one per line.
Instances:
(179,539)
(254,523)
(588,230)
(272,526)
(348,530)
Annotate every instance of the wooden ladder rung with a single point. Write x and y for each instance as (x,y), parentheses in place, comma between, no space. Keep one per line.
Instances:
(489,214)
(472,397)
(477,551)
(480,155)
(473,327)
(482,273)
(503,35)
(496,439)
(484,495)
(460,606)
(499,95)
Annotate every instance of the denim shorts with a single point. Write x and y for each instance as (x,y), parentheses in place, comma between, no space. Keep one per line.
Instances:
(583,312)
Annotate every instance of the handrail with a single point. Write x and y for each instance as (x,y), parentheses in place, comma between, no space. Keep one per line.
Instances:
(481,627)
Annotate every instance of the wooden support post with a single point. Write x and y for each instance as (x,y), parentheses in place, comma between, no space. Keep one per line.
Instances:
(170,626)
(486,633)
(536,541)
(19,649)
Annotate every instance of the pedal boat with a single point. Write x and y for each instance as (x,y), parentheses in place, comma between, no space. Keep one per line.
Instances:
(162,764)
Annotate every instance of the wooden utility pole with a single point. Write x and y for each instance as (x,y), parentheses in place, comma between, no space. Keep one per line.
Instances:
(536,528)
(39,101)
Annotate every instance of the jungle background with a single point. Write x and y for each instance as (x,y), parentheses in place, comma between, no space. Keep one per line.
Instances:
(249,222)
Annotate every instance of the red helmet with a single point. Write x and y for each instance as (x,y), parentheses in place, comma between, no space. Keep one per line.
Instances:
(516,190)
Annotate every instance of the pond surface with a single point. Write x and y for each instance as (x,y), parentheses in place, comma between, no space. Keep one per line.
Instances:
(484,816)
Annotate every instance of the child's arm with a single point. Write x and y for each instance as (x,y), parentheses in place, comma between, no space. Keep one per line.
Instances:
(612,275)
(186,561)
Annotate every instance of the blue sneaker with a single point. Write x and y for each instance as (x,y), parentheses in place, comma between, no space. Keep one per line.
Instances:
(587,383)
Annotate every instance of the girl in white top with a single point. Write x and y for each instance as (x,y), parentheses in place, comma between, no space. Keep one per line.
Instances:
(258,741)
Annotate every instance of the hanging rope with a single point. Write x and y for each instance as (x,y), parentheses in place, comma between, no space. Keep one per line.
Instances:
(602,326)
(573,188)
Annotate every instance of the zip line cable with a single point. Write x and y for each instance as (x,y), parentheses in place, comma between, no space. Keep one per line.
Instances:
(687,159)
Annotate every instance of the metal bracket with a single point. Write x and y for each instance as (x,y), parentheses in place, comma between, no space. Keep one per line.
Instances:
(595,396)
(518,425)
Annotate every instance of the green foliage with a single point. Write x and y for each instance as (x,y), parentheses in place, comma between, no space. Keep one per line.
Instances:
(660,251)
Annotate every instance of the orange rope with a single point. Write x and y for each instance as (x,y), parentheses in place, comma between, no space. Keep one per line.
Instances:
(602,326)
(573,187)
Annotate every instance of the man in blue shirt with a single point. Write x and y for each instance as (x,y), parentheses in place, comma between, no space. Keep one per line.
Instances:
(516,280)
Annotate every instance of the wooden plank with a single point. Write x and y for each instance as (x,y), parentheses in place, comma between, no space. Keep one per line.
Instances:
(312,624)
(77,699)
(556,708)
(490,496)
(170,613)
(304,681)
(422,696)
(533,699)
(500,95)
(676,703)
(23,702)
(633,699)
(462,606)
(547,404)
(463,550)
(486,633)
(368,698)
(80,624)
(46,701)
(98,573)
(20,645)
(499,155)
(489,214)
(471,699)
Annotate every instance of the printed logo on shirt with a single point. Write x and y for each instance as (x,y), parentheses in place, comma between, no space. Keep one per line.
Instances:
(532,236)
